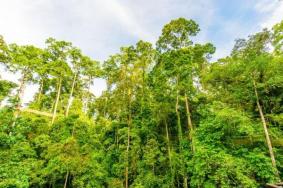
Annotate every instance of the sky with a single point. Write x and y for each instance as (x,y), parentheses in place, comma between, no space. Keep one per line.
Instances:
(101,27)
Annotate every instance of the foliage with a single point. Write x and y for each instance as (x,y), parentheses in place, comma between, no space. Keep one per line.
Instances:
(169,116)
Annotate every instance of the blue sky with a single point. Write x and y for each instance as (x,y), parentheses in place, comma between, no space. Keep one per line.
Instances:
(101,27)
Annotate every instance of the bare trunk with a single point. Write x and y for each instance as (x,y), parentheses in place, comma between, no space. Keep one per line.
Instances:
(40,90)
(66,179)
(178,118)
(21,91)
(185,182)
(88,96)
(190,125)
(169,150)
(71,96)
(168,143)
(267,137)
(129,139)
(180,134)
(57,101)
(127,160)
(20,95)
(52,107)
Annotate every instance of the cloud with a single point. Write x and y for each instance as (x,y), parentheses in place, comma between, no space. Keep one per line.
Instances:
(126,18)
(272,12)
(265,6)
(101,27)
(98,27)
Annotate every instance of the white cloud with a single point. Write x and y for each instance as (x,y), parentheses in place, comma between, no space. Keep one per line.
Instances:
(88,24)
(98,27)
(272,12)
(101,27)
(265,6)
(126,18)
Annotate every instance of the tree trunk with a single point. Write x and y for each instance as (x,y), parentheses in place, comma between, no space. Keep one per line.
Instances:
(169,150)
(71,96)
(190,125)
(180,135)
(52,107)
(168,143)
(85,108)
(129,139)
(267,137)
(21,90)
(185,182)
(127,155)
(20,95)
(66,179)
(117,137)
(40,90)
(57,101)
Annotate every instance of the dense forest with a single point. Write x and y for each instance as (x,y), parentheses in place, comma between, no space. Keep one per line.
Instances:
(170,116)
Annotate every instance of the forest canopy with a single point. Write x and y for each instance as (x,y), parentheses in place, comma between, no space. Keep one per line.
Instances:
(170,116)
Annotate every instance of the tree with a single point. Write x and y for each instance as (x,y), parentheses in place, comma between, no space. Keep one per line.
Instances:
(4,51)
(76,57)
(5,88)
(182,61)
(245,71)
(170,117)
(278,37)
(58,66)
(90,70)
(24,59)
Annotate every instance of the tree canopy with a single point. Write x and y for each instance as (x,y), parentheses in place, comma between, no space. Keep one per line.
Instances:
(170,116)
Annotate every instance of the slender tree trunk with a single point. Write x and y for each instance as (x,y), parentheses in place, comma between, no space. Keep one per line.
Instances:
(267,137)
(66,179)
(180,134)
(57,101)
(185,182)
(71,96)
(106,100)
(40,90)
(128,140)
(128,149)
(168,143)
(143,92)
(190,125)
(21,91)
(185,179)
(20,95)
(169,150)
(88,96)
(127,156)
(117,137)
(52,107)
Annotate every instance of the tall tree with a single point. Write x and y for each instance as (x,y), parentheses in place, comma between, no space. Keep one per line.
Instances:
(242,78)
(58,53)
(182,60)
(90,70)
(24,59)
(76,61)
